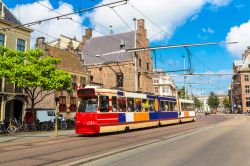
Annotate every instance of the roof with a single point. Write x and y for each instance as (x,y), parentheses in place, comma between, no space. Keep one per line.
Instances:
(238,62)
(105,44)
(8,16)
(69,61)
(246,64)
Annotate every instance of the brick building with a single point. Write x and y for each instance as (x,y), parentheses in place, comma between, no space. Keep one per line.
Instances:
(12,99)
(239,90)
(70,62)
(126,71)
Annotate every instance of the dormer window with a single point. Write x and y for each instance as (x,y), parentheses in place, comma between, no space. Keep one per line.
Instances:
(122,44)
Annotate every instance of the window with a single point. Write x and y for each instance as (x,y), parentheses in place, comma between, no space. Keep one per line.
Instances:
(82,80)
(147,66)
(114,104)
(151,105)
(156,80)
(139,80)
(62,104)
(2,39)
(138,105)
(145,105)
(104,103)
(119,80)
(73,104)
(20,44)
(130,104)
(164,90)
(247,89)
(156,89)
(246,77)
(139,62)
(121,107)
(248,101)
(88,105)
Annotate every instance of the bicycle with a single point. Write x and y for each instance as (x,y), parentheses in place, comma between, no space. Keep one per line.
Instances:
(11,128)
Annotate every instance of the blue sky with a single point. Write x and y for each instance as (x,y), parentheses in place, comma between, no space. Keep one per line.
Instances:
(205,21)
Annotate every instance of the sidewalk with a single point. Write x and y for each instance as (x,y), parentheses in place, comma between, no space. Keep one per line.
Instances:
(24,136)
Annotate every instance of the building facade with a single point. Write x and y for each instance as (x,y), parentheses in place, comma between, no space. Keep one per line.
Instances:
(164,84)
(12,99)
(72,63)
(125,71)
(239,90)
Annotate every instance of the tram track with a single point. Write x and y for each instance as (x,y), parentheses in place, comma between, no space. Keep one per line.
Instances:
(120,138)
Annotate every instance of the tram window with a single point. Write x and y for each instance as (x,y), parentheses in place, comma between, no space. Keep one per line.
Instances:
(162,106)
(121,107)
(114,104)
(151,105)
(138,104)
(145,105)
(88,105)
(104,103)
(130,104)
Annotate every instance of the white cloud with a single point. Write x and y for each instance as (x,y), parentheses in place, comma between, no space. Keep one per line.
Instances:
(218,3)
(34,11)
(242,35)
(166,13)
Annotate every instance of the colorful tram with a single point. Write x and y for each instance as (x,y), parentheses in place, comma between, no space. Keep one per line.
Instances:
(106,110)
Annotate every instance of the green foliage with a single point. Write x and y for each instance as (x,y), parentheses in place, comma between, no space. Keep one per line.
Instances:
(213,101)
(181,93)
(226,103)
(197,103)
(33,71)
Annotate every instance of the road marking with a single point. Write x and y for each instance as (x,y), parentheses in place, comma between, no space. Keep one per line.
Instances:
(155,142)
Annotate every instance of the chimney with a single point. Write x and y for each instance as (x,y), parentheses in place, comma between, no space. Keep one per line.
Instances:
(140,24)
(88,33)
(40,42)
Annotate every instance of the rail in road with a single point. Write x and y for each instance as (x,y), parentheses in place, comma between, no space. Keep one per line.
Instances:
(224,144)
(56,151)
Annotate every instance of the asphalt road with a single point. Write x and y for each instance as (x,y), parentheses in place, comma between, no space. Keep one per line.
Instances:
(182,144)
(227,144)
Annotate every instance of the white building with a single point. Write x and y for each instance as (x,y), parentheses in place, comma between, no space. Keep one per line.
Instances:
(164,84)
(204,101)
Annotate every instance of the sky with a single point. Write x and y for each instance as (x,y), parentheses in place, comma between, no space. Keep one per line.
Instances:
(167,22)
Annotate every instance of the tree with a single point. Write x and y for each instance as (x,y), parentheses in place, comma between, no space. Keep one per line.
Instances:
(197,103)
(33,72)
(181,93)
(213,101)
(226,103)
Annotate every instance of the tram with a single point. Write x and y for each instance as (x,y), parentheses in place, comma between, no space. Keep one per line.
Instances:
(107,110)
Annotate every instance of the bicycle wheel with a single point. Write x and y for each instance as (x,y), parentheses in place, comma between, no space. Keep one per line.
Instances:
(63,126)
(11,129)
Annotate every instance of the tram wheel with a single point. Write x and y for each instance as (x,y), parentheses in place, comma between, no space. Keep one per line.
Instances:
(126,129)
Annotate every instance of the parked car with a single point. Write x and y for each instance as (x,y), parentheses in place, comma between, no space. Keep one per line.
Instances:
(46,118)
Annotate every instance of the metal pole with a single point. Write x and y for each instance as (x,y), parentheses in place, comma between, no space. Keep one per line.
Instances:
(191,95)
(184,59)
(56,121)
(232,104)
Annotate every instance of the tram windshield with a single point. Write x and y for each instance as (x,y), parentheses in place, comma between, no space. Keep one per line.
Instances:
(88,105)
